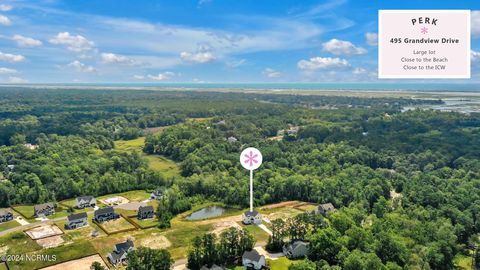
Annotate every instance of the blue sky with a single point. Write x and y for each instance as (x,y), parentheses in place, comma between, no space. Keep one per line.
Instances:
(116,41)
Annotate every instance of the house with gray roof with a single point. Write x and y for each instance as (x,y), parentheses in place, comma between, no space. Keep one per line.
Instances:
(145,212)
(105,214)
(252,259)
(326,208)
(296,249)
(251,217)
(5,215)
(85,201)
(76,221)
(43,210)
(119,254)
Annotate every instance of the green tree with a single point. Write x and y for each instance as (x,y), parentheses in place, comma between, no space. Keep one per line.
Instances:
(97,266)
(149,259)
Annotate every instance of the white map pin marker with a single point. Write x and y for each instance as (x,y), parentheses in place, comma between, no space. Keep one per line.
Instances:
(251,159)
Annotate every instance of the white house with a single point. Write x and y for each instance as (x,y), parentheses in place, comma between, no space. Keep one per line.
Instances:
(296,249)
(252,217)
(251,259)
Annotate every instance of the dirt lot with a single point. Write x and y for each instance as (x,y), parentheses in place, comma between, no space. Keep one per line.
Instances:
(221,226)
(132,206)
(43,231)
(49,242)
(155,241)
(115,200)
(280,205)
(80,264)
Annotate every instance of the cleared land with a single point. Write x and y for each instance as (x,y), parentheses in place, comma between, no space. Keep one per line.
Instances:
(43,231)
(79,264)
(50,242)
(156,162)
(119,224)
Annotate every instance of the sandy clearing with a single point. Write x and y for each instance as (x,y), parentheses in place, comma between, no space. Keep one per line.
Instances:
(43,231)
(280,205)
(115,200)
(51,242)
(155,241)
(80,264)
(221,226)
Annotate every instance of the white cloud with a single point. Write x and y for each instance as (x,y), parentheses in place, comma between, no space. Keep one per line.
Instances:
(359,71)
(271,73)
(371,38)
(4,70)
(475,23)
(201,56)
(81,67)
(117,59)
(73,43)
(26,41)
(316,63)
(11,57)
(4,7)
(167,75)
(235,63)
(16,80)
(342,47)
(4,20)
(161,76)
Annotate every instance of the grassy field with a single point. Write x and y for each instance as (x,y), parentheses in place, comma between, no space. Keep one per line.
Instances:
(8,225)
(156,162)
(25,210)
(145,223)
(3,266)
(63,253)
(18,243)
(260,235)
(280,264)
(116,225)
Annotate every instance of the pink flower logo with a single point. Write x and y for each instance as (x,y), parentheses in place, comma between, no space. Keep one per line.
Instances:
(251,158)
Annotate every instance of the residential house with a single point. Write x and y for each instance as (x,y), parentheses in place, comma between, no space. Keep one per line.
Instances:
(43,210)
(105,214)
(119,254)
(5,215)
(326,208)
(85,201)
(145,212)
(156,195)
(296,249)
(252,259)
(252,217)
(10,167)
(76,221)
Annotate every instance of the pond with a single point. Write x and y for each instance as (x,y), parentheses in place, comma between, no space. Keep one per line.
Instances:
(207,212)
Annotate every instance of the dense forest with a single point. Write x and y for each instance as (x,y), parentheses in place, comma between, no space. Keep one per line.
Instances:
(406,184)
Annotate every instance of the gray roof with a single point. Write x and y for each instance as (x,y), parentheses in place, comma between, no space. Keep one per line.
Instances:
(77,216)
(124,246)
(251,255)
(117,255)
(297,243)
(85,198)
(43,206)
(327,207)
(103,211)
(251,213)
(147,208)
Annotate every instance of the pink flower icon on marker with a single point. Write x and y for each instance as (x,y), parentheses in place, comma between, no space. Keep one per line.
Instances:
(251,158)
(424,30)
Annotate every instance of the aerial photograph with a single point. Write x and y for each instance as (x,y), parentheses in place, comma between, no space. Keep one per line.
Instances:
(239,134)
